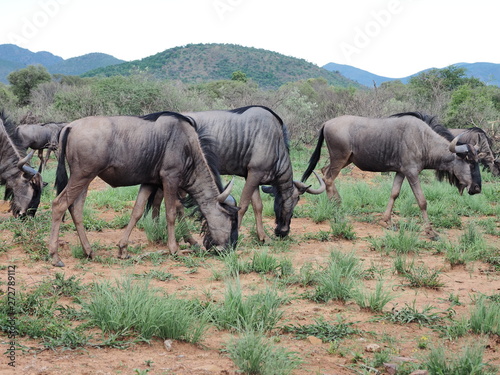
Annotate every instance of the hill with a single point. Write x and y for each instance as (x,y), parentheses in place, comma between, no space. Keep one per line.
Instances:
(82,64)
(14,58)
(205,62)
(489,73)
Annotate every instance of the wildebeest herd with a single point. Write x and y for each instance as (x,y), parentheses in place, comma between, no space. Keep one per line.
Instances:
(171,155)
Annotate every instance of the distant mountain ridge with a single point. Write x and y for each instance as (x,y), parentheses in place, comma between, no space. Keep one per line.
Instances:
(206,62)
(14,58)
(195,63)
(489,73)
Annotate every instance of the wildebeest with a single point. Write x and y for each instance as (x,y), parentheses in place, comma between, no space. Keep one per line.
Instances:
(404,144)
(23,184)
(252,142)
(483,143)
(40,137)
(162,149)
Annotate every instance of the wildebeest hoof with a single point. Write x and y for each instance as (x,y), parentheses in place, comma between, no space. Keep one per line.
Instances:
(59,263)
(184,252)
(123,256)
(433,236)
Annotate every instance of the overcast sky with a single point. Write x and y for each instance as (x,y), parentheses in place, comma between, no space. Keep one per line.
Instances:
(393,38)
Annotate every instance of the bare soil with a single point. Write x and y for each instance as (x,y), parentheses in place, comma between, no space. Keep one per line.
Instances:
(209,357)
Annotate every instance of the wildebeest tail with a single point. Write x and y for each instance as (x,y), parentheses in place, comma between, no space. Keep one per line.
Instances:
(61,174)
(313,161)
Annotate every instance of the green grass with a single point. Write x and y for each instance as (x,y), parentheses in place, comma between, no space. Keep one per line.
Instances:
(339,279)
(411,314)
(324,330)
(468,362)
(129,308)
(253,353)
(376,300)
(256,312)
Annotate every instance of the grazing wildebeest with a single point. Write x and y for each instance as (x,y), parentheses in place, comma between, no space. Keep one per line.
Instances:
(404,144)
(252,142)
(483,143)
(23,184)
(40,137)
(162,149)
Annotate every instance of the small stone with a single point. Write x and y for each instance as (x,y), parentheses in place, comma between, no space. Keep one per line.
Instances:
(168,345)
(391,368)
(420,372)
(373,348)
(314,340)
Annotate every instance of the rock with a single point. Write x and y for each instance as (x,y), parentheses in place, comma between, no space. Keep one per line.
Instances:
(391,368)
(168,345)
(373,348)
(420,372)
(314,340)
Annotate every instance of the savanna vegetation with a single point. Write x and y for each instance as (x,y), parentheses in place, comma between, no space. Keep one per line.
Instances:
(308,304)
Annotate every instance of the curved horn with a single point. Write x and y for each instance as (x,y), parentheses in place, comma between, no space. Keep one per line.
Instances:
(457,149)
(29,170)
(223,196)
(24,160)
(307,188)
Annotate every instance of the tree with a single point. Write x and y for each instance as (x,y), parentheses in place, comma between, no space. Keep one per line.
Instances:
(23,81)
(239,76)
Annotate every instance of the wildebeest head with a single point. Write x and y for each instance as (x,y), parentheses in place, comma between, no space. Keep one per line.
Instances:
(24,189)
(284,204)
(226,236)
(466,173)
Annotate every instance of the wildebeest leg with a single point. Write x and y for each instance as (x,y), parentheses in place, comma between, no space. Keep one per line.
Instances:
(257,210)
(138,210)
(171,198)
(76,211)
(396,189)
(155,212)
(330,173)
(422,204)
(40,156)
(251,184)
(47,155)
(59,206)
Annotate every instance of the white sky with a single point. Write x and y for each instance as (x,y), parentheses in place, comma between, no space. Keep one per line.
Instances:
(393,38)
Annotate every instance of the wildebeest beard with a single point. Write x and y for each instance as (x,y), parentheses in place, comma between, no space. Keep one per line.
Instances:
(190,203)
(283,209)
(32,206)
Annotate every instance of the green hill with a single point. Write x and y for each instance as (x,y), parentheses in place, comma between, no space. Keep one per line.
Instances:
(205,62)
(81,64)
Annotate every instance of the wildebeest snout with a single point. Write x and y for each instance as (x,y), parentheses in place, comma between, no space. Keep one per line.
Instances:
(475,189)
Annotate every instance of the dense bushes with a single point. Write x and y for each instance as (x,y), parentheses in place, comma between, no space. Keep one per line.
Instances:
(459,101)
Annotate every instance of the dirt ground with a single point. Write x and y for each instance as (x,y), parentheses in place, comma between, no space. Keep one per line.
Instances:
(209,357)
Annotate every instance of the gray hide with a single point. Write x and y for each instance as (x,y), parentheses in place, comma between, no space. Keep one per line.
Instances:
(483,143)
(23,183)
(252,142)
(158,150)
(405,145)
(40,137)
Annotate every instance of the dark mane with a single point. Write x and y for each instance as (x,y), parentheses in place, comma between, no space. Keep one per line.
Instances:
(155,116)
(443,132)
(208,146)
(432,121)
(242,110)
(481,132)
